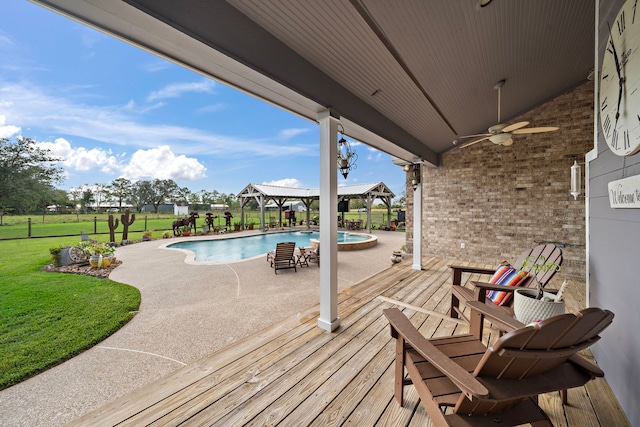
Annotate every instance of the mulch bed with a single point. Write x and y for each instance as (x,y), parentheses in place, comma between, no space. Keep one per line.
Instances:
(85,269)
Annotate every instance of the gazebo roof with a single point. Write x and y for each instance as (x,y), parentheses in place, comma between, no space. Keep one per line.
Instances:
(376,189)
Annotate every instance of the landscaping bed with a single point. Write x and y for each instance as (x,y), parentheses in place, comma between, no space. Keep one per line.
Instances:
(84,269)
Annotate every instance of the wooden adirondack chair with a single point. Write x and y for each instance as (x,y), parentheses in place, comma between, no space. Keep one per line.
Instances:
(283,256)
(498,385)
(541,254)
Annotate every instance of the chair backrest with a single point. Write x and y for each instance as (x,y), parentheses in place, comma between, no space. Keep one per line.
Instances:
(535,350)
(548,255)
(284,251)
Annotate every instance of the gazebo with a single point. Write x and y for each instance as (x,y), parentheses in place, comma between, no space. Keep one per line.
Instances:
(263,193)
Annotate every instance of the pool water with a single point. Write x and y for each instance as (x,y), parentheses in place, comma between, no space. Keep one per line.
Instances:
(239,248)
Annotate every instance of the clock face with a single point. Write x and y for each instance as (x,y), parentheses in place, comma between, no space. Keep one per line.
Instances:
(620,82)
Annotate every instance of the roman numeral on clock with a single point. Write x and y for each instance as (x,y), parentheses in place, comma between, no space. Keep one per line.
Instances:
(620,23)
(625,140)
(606,126)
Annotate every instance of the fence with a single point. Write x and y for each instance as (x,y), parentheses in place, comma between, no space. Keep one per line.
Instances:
(79,225)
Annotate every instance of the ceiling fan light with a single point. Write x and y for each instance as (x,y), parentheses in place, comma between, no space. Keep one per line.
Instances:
(500,138)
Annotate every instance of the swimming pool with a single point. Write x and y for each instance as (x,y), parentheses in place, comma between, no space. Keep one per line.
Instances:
(240,248)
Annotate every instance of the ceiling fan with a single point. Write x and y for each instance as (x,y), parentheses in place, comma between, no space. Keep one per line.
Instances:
(501,133)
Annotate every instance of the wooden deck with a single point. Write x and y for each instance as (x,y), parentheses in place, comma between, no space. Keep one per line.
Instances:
(294,374)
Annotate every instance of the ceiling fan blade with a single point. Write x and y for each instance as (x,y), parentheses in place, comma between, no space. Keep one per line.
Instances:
(536,130)
(475,136)
(515,126)
(475,141)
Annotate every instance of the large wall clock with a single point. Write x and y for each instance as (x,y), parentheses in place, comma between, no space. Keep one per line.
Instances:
(620,82)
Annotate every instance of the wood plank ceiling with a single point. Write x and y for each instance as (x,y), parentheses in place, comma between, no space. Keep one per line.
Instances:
(431,66)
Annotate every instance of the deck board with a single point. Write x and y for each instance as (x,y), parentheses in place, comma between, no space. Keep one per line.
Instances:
(293,373)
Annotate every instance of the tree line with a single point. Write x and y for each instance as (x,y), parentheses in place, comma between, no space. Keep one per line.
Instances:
(29,175)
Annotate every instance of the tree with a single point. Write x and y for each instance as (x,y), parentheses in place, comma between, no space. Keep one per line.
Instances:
(61,199)
(120,189)
(27,175)
(142,194)
(99,195)
(400,202)
(163,191)
(75,195)
(182,196)
(87,198)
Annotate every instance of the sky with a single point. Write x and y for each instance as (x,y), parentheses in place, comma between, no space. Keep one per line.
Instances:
(110,110)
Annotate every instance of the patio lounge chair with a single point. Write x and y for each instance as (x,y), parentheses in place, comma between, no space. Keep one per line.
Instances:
(283,256)
(498,385)
(313,253)
(548,254)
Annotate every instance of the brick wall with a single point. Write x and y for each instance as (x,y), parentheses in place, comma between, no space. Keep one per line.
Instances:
(499,201)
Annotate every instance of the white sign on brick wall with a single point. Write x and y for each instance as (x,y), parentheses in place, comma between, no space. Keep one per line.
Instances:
(625,193)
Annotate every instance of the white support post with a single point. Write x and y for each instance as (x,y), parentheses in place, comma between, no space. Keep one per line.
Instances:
(328,319)
(264,224)
(417,226)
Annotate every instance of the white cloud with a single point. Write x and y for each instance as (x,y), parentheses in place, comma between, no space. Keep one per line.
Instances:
(285,182)
(177,89)
(81,159)
(162,163)
(213,108)
(7,131)
(377,156)
(290,133)
(154,67)
(29,106)
(5,39)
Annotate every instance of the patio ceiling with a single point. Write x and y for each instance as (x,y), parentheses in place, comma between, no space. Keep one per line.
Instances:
(406,77)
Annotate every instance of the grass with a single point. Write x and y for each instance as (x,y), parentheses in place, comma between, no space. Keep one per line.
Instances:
(96,225)
(46,318)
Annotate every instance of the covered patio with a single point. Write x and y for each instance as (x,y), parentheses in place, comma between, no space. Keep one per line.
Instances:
(294,374)
(418,80)
(263,193)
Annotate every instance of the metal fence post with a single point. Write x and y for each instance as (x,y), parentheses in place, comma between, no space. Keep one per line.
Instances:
(29,228)
(95,225)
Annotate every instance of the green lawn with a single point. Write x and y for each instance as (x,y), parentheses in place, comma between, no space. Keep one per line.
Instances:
(46,318)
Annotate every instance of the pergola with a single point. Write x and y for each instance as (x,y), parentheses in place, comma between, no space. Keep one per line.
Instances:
(263,193)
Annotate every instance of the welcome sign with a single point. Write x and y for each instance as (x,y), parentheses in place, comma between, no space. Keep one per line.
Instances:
(625,193)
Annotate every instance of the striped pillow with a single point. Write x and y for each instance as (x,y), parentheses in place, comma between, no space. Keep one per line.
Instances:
(505,275)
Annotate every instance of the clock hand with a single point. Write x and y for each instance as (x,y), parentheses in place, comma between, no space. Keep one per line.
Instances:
(615,54)
(621,82)
(620,78)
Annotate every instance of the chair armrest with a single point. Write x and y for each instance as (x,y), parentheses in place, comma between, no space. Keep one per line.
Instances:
(491,287)
(466,382)
(457,271)
(499,317)
(586,366)
(467,269)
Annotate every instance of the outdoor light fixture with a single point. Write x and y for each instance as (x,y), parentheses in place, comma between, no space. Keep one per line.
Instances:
(415,174)
(576,175)
(415,179)
(346,156)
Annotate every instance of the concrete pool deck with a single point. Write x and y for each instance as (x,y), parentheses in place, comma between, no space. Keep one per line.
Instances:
(186,313)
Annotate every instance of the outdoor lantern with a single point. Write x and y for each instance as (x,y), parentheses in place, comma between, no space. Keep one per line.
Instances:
(346,156)
(415,179)
(576,175)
